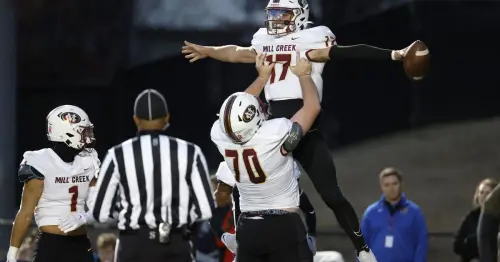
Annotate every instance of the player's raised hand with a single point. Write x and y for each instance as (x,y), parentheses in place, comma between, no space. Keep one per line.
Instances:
(400,54)
(302,67)
(263,67)
(194,52)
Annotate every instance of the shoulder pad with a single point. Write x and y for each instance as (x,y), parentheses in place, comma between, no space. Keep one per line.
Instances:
(318,34)
(225,175)
(27,172)
(260,37)
(216,132)
(293,138)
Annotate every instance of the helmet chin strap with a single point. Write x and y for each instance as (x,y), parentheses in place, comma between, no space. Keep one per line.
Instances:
(165,126)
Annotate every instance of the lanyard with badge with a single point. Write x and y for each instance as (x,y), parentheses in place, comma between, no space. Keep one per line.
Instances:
(389,238)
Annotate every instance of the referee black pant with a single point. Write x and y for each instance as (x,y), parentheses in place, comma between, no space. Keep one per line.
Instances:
(315,158)
(142,245)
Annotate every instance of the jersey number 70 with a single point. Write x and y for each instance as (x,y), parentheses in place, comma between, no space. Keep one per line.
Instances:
(258,176)
(285,60)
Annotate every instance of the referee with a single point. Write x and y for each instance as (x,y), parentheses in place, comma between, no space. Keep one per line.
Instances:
(163,184)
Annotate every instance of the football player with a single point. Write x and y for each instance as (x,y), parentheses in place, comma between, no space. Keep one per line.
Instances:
(226,183)
(488,227)
(287,31)
(258,152)
(58,183)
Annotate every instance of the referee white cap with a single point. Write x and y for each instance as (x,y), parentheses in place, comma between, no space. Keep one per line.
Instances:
(150,105)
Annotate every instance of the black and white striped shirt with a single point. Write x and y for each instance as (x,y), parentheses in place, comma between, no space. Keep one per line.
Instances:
(158,178)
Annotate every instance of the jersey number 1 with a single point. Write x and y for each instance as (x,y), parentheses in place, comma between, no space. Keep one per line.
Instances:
(74,197)
(258,176)
(285,60)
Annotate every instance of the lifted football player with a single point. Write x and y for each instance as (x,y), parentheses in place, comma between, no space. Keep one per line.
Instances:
(257,151)
(58,183)
(286,32)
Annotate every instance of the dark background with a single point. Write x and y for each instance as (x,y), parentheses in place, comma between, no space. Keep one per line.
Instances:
(75,52)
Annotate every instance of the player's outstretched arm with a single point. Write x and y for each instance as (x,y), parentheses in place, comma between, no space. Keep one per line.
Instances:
(227,53)
(264,69)
(32,191)
(306,116)
(361,51)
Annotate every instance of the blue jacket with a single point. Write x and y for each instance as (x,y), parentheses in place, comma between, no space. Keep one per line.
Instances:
(395,233)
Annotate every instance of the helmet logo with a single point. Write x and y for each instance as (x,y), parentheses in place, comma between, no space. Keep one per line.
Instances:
(249,113)
(70,117)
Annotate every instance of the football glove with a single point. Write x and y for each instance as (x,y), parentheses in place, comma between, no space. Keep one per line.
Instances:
(12,254)
(311,241)
(73,221)
(229,241)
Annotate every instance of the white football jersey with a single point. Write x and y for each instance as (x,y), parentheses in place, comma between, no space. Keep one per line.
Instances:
(66,185)
(283,84)
(264,176)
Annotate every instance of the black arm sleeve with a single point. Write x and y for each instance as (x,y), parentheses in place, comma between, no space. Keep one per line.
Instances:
(487,237)
(309,213)
(217,220)
(359,52)
(27,172)
(237,210)
(293,138)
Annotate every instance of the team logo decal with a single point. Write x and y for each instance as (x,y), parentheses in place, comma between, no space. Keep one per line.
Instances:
(70,117)
(249,113)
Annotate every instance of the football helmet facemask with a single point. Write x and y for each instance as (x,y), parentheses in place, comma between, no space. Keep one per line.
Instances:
(286,16)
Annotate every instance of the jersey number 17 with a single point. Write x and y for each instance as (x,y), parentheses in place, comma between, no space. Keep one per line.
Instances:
(285,60)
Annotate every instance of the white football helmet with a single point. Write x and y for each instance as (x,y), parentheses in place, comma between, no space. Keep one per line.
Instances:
(286,16)
(70,125)
(240,116)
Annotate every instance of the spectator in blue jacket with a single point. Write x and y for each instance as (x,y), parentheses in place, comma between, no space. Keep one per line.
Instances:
(394,227)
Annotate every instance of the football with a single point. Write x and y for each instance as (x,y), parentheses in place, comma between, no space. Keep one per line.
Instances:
(416,61)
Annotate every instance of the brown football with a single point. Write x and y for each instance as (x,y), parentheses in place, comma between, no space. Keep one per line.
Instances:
(416,61)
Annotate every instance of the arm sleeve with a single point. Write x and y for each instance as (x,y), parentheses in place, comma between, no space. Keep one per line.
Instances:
(217,220)
(27,172)
(200,187)
(359,52)
(105,188)
(365,227)
(309,213)
(421,233)
(236,199)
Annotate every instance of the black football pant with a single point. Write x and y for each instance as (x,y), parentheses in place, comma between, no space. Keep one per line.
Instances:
(315,158)
(58,248)
(272,238)
(142,245)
